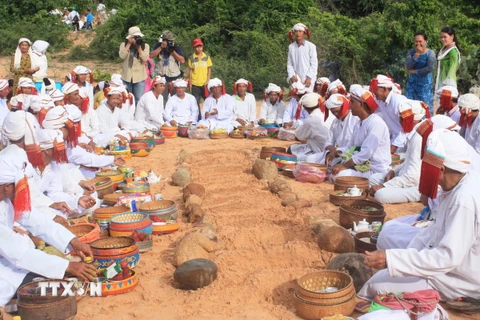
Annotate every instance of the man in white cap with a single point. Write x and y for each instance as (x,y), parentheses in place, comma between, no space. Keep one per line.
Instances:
(437,258)
(313,131)
(19,260)
(181,108)
(401,184)
(26,89)
(218,107)
(448,104)
(368,150)
(79,76)
(294,113)
(389,103)
(245,106)
(75,96)
(134,53)
(469,105)
(321,86)
(150,108)
(4,90)
(341,130)
(273,107)
(302,63)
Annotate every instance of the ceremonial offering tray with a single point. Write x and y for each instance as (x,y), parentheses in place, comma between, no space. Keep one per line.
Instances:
(343,183)
(169,132)
(136,187)
(273,132)
(105,214)
(112,287)
(356,210)
(160,209)
(115,175)
(183,131)
(114,249)
(339,196)
(148,140)
(256,133)
(103,186)
(218,134)
(165,227)
(363,242)
(124,224)
(125,153)
(85,232)
(236,134)
(112,198)
(266,152)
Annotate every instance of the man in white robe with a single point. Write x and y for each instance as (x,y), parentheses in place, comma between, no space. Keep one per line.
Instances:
(150,108)
(382,87)
(469,105)
(79,76)
(401,184)
(302,62)
(295,114)
(341,130)
(245,106)
(445,255)
(273,107)
(182,107)
(313,130)
(20,262)
(449,102)
(370,143)
(335,87)
(218,107)
(4,90)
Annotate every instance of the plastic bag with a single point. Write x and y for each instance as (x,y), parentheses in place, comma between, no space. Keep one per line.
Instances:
(198,133)
(287,135)
(258,131)
(307,173)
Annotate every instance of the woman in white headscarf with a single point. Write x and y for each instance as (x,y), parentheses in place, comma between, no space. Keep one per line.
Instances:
(21,64)
(39,59)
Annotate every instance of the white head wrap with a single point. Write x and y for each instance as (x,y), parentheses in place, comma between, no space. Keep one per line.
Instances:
(16,101)
(74,113)
(12,165)
(57,95)
(441,121)
(452,148)
(47,137)
(18,54)
(354,86)
(215,82)
(55,118)
(453,90)
(242,81)
(26,83)
(46,101)
(160,80)
(101,85)
(116,90)
(3,84)
(335,101)
(70,87)
(299,27)
(300,87)
(310,100)
(180,83)
(469,101)
(35,105)
(116,80)
(415,106)
(82,70)
(334,85)
(14,125)
(273,88)
(384,81)
(39,47)
(322,80)
(49,88)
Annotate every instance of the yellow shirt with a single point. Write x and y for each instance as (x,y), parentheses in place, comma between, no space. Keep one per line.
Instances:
(97,99)
(199,66)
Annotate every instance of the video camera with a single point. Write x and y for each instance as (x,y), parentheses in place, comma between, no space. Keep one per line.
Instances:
(170,45)
(138,40)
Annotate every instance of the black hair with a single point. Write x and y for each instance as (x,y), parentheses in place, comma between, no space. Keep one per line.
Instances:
(451,32)
(421,33)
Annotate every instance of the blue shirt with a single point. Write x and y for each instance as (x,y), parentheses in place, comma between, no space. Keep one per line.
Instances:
(89,17)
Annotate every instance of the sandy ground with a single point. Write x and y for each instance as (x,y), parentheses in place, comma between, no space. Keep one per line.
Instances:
(263,247)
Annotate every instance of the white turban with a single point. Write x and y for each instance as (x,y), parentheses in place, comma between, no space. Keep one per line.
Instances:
(74,113)
(70,87)
(39,47)
(18,54)
(215,82)
(354,86)
(299,87)
(384,81)
(441,121)
(14,125)
(335,101)
(46,101)
(299,27)
(26,83)
(35,105)
(365,96)
(452,148)
(469,101)
(273,88)
(115,90)
(322,80)
(17,101)
(101,85)
(55,118)
(416,107)
(116,80)
(242,81)
(82,70)
(180,83)
(334,85)
(47,137)
(57,95)
(3,84)
(310,100)
(12,165)
(159,80)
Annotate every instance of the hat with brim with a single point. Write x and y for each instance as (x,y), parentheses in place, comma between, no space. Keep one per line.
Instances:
(134,31)
(168,35)
(197,42)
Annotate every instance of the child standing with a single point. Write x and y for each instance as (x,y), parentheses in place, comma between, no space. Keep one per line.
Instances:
(200,71)
(89,18)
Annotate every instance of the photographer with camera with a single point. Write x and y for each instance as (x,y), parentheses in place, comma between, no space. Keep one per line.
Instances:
(134,53)
(169,59)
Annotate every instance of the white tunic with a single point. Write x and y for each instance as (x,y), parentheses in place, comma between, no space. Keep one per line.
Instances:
(81,157)
(244,109)
(391,116)
(18,255)
(314,132)
(111,121)
(303,62)
(472,134)
(181,110)
(150,111)
(448,252)
(272,113)
(224,106)
(87,89)
(372,136)
(90,123)
(291,110)
(341,131)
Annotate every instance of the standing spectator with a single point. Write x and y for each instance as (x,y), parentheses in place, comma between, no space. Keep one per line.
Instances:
(448,59)
(74,18)
(302,63)
(39,59)
(170,57)
(420,64)
(101,12)
(89,20)
(134,53)
(21,64)
(200,66)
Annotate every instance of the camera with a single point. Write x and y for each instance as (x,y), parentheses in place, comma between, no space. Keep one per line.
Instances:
(170,45)
(138,40)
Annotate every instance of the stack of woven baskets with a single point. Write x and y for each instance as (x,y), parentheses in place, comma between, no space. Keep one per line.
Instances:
(163,213)
(324,293)
(115,249)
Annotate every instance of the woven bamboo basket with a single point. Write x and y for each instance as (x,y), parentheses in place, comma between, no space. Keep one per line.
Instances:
(337,198)
(222,135)
(124,224)
(362,244)
(169,132)
(105,214)
(351,211)
(343,183)
(308,285)
(113,246)
(112,198)
(85,232)
(103,186)
(115,175)
(136,187)
(236,135)
(311,310)
(266,152)
(111,288)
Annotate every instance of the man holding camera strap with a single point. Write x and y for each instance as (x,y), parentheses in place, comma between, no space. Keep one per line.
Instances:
(169,59)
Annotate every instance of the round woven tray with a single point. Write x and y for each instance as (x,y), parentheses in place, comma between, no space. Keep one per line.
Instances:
(337,199)
(112,198)
(113,246)
(343,183)
(30,294)
(115,175)
(266,152)
(236,136)
(105,214)
(63,309)
(136,187)
(310,310)
(218,135)
(85,232)
(361,246)
(350,211)
(103,186)
(129,217)
(156,205)
(307,285)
